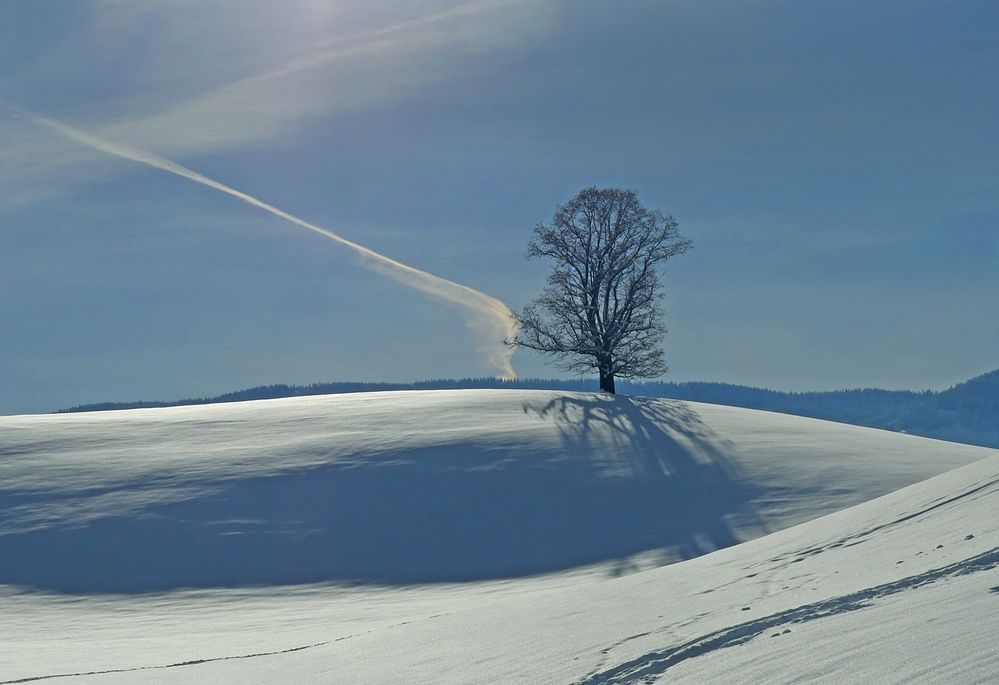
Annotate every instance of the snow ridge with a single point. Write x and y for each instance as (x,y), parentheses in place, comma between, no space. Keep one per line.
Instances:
(649,667)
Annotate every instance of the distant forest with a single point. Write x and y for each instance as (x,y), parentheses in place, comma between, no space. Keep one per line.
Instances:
(967,412)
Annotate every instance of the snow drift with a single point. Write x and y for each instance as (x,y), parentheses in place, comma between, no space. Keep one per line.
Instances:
(901,588)
(416,487)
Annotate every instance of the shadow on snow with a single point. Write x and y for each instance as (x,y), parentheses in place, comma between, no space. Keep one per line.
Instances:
(633,475)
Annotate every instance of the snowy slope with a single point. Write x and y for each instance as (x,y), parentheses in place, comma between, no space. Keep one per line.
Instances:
(265,509)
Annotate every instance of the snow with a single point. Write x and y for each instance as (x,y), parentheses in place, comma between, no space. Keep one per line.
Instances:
(491,536)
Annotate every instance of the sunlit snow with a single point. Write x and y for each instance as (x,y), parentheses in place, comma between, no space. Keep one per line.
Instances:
(491,537)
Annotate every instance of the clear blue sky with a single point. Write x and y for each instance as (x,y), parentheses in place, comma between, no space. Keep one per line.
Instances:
(836,164)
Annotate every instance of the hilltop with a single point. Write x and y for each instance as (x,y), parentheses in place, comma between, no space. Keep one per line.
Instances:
(490,536)
(967,412)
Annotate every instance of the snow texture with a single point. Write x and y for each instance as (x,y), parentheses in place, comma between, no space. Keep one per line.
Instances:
(491,536)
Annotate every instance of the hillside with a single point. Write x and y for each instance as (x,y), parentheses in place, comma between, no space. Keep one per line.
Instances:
(490,536)
(418,487)
(967,412)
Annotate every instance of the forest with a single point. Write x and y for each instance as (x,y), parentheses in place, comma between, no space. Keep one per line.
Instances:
(967,412)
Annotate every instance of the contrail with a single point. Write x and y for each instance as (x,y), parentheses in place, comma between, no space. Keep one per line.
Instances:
(489,317)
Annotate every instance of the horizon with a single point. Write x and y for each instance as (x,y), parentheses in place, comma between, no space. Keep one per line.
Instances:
(699,298)
(467,384)
(835,167)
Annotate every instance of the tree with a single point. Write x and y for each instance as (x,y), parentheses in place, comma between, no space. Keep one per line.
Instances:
(602,307)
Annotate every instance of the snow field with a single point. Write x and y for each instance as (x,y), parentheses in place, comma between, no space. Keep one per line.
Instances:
(491,536)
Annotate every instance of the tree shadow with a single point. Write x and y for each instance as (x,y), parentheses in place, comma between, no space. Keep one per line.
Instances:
(629,476)
(694,497)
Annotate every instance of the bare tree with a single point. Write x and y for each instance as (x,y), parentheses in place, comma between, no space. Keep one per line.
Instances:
(602,306)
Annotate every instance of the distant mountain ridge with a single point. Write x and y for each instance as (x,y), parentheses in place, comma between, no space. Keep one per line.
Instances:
(967,412)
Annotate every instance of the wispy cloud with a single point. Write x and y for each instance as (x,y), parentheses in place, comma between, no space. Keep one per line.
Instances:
(489,318)
(342,74)
(320,78)
(376,60)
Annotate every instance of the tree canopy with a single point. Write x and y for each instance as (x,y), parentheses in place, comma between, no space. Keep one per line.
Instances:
(602,306)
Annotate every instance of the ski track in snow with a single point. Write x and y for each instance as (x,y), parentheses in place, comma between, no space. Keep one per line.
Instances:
(649,667)
(193,662)
(808,467)
(862,536)
(198,662)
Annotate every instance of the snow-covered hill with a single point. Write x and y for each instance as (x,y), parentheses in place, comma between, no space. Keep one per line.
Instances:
(224,543)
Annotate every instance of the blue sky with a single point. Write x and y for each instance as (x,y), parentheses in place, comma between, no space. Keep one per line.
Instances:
(836,164)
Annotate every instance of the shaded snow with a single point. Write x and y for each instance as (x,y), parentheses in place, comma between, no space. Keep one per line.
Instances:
(265,509)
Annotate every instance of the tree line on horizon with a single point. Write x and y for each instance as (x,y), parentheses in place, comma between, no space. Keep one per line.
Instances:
(601,310)
(967,412)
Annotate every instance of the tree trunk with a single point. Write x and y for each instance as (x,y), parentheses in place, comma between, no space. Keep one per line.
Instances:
(606,380)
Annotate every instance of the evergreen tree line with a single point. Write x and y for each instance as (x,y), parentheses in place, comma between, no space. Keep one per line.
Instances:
(968,412)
